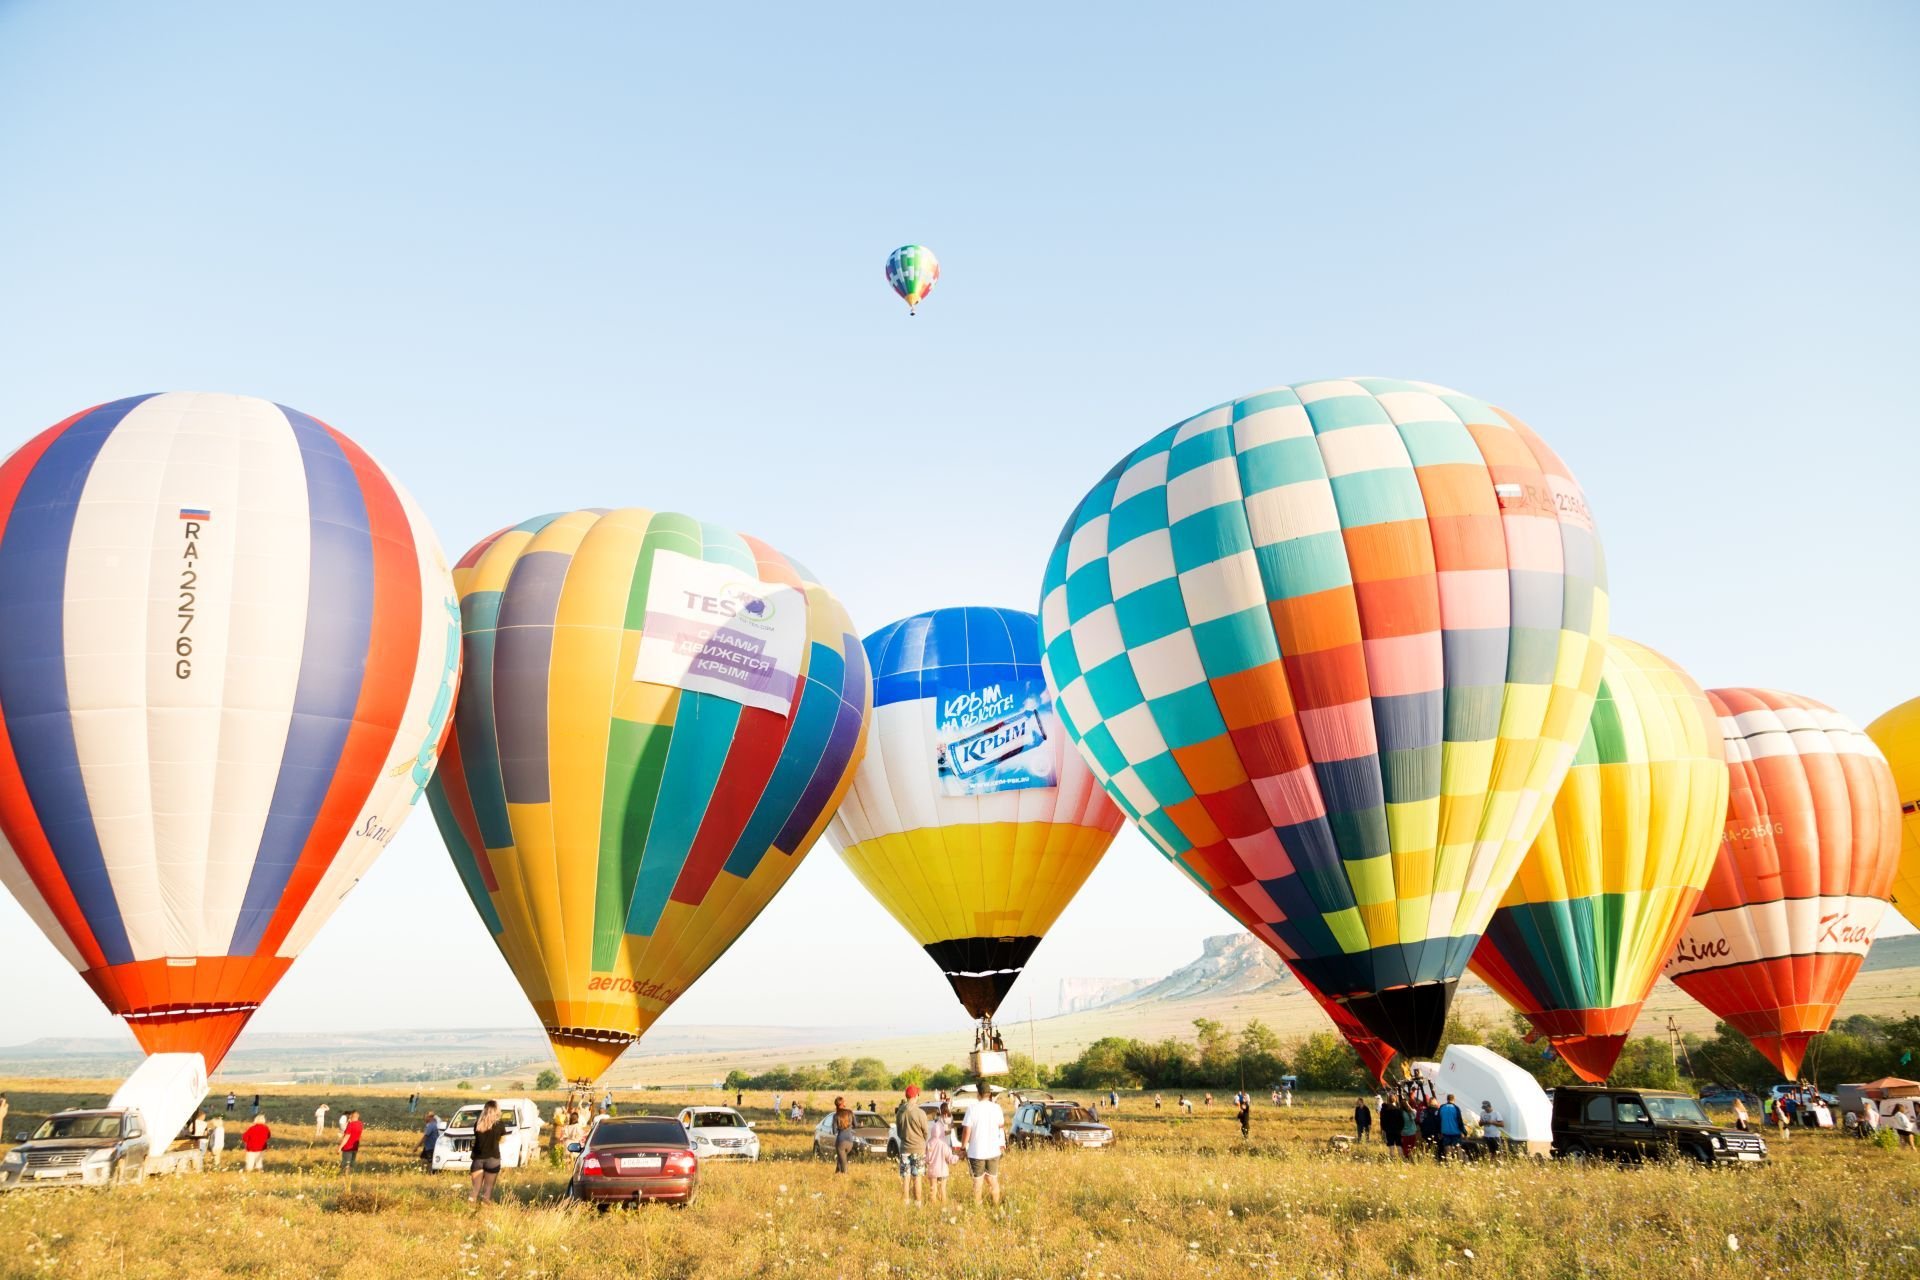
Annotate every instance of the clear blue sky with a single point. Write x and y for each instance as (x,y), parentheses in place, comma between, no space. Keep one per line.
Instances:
(540,257)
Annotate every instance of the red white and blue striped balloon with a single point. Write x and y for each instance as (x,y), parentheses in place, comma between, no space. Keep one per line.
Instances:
(231,649)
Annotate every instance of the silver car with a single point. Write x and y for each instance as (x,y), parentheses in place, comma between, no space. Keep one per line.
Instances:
(872,1136)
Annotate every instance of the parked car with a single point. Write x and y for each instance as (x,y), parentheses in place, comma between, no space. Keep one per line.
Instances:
(1780,1091)
(1063,1124)
(518,1143)
(721,1133)
(1725,1095)
(630,1160)
(872,1135)
(132,1136)
(1645,1124)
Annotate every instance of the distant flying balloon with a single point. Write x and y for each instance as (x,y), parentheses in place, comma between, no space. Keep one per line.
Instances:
(1897,733)
(970,819)
(1611,881)
(230,651)
(1798,887)
(912,270)
(1332,646)
(658,717)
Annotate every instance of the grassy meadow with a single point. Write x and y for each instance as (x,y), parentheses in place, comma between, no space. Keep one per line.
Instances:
(1177,1197)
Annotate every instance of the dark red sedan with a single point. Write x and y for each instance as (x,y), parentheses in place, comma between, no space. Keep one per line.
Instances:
(627,1161)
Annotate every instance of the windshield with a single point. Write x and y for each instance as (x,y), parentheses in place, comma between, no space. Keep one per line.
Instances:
(717,1120)
(94,1126)
(1070,1115)
(1676,1110)
(648,1132)
(868,1120)
(467,1117)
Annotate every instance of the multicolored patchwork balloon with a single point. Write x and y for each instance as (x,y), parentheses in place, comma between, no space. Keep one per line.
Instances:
(657,719)
(912,270)
(1805,866)
(1332,647)
(228,662)
(1611,881)
(1897,733)
(970,819)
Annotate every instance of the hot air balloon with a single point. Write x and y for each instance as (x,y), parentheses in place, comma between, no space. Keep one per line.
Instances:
(1375,1054)
(1805,865)
(1332,646)
(969,819)
(230,654)
(1897,733)
(912,270)
(1613,877)
(658,717)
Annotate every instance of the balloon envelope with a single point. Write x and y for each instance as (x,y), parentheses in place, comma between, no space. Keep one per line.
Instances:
(657,719)
(912,270)
(1897,733)
(1332,647)
(970,819)
(1802,876)
(230,654)
(1611,880)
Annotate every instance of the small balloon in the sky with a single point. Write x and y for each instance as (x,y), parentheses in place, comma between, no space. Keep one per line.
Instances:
(911,270)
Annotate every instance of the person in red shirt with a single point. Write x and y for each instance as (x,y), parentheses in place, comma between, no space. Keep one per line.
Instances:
(350,1142)
(255,1140)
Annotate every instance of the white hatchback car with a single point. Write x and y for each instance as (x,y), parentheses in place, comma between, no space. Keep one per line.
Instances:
(720,1133)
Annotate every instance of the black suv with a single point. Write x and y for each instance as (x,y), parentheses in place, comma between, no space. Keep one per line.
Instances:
(1645,1124)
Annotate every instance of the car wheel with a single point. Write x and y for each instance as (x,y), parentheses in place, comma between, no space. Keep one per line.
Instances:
(1573,1151)
(893,1151)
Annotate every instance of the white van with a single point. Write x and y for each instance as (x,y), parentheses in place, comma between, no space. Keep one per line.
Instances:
(518,1144)
(1474,1075)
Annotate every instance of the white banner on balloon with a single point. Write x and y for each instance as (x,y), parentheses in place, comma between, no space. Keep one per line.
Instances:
(712,628)
(1773,930)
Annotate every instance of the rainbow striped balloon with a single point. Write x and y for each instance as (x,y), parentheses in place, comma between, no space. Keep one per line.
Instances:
(617,831)
(1607,888)
(230,653)
(1332,646)
(912,270)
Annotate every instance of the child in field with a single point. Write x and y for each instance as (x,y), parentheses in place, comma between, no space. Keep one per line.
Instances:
(939,1154)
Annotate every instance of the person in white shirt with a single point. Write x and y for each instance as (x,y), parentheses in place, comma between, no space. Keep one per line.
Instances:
(1493,1129)
(320,1118)
(984,1129)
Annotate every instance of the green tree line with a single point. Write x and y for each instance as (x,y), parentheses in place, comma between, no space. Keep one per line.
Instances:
(1858,1049)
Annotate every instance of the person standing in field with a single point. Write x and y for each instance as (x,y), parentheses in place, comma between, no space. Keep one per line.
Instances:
(1390,1123)
(939,1153)
(231,1100)
(320,1119)
(350,1131)
(1905,1125)
(197,1130)
(1783,1119)
(842,1134)
(776,1108)
(1244,1110)
(217,1141)
(1493,1128)
(1739,1113)
(1363,1119)
(910,1123)
(984,1129)
(1409,1131)
(1453,1128)
(255,1140)
(487,1132)
(430,1138)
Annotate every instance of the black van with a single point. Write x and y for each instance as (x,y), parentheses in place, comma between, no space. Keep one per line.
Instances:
(1645,1124)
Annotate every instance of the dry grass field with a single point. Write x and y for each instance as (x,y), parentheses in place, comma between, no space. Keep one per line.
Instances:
(1177,1197)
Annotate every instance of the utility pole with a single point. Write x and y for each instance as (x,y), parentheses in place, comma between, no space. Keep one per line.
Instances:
(1677,1047)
